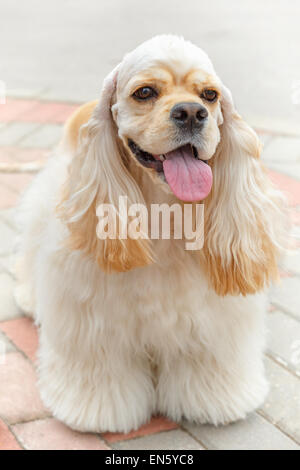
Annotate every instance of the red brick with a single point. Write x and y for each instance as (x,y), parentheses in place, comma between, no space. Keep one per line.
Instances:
(23,333)
(50,434)
(295,216)
(35,111)
(283,273)
(64,111)
(17,154)
(8,198)
(19,396)
(12,110)
(288,186)
(5,155)
(17,182)
(265,132)
(294,244)
(7,439)
(45,112)
(157,424)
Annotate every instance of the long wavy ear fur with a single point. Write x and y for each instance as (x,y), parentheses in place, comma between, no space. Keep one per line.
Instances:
(243,214)
(97,174)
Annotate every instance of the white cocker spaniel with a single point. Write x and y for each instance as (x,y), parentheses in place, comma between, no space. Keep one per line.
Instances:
(131,327)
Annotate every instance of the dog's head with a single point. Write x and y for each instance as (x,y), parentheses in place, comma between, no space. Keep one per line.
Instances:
(167,110)
(164,111)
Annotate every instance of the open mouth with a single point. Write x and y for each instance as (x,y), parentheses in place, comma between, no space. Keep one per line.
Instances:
(189,177)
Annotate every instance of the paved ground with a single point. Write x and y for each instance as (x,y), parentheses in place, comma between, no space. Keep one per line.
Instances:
(53,56)
(29,129)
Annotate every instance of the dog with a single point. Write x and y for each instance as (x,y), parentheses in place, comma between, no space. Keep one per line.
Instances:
(131,327)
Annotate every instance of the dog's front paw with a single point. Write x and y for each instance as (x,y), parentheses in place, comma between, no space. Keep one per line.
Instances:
(89,401)
(207,398)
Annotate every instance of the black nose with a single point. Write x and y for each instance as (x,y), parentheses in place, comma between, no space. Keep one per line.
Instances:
(188,116)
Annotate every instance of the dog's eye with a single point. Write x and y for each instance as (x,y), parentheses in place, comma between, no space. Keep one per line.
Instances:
(209,95)
(144,93)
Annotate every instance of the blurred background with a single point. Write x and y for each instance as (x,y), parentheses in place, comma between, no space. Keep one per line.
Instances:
(61,49)
(54,55)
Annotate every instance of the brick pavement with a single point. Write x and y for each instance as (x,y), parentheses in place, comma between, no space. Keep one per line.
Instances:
(29,129)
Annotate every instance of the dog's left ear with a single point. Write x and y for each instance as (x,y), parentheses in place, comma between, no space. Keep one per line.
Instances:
(97,175)
(243,212)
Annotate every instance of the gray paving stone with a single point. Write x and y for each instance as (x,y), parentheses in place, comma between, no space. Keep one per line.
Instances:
(286,296)
(282,406)
(46,136)
(171,440)
(284,339)
(25,93)
(74,94)
(254,433)
(5,345)
(295,232)
(8,307)
(8,215)
(7,238)
(291,262)
(282,149)
(5,264)
(265,139)
(13,133)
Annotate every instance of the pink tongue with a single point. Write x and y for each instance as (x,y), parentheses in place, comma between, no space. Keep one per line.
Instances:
(189,179)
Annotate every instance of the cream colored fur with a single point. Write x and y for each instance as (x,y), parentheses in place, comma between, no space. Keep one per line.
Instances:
(133,328)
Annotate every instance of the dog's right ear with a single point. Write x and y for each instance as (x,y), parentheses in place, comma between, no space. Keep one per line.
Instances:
(244,213)
(98,175)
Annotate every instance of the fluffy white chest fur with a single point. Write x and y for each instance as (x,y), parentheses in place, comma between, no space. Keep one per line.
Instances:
(133,328)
